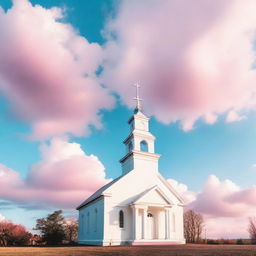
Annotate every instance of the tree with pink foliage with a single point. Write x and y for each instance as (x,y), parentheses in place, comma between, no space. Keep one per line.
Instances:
(13,234)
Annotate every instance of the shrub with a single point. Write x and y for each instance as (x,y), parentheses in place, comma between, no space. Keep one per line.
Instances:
(211,241)
(239,241)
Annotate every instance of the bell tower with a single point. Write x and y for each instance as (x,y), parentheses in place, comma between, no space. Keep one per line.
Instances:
(140,150)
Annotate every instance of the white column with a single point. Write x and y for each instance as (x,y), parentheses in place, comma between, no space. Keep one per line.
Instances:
(135,222)
(167,223)
(144,223)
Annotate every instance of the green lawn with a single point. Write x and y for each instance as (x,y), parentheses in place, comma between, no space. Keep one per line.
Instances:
(172,250)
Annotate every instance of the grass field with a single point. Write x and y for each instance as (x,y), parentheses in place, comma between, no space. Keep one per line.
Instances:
(172,250)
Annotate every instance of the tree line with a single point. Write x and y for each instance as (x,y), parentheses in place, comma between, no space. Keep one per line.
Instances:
(194,225)
(54,230)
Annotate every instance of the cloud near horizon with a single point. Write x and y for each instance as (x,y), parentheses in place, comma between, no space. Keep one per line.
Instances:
(2,217)
(193,61)
(64,177)
(48,75)
(223,204)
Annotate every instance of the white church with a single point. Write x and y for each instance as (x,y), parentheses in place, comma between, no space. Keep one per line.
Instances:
(140,207)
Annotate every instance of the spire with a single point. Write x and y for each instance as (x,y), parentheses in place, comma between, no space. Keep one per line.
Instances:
(137,98)
(140,143)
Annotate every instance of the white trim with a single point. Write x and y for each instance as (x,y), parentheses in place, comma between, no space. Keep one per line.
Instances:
(168,185)
(116,242)
(159,191)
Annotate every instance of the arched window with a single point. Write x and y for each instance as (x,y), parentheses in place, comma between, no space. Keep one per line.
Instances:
(82,224)
(121,219)
(143,146)
(150,215)
(96,219)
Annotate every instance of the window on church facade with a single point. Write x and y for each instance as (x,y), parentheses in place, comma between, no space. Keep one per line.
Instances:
(96,220)
(88,223)
(82,224)
(143,146)
(121,219)
(150,215)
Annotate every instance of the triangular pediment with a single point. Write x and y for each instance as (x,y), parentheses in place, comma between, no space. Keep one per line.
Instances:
(171,189)
(153,196)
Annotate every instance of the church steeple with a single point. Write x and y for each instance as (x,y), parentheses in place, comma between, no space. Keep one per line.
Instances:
(140,150)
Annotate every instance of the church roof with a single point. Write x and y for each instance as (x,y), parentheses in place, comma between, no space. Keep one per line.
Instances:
(171,188)
(98,193)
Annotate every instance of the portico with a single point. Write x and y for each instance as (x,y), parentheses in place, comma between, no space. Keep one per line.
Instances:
(151,220)
(151,223)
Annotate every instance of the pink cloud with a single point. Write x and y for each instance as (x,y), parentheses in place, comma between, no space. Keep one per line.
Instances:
(187,195)
(226,208)
(223,227)
(2,218)
(247,196)
(224,205)
(232,116)
(47,71)
(63,178)
(66,176)
(212,200)
(224,199)
(194,61)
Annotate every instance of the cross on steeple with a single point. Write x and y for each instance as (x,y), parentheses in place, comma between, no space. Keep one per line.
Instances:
(137,98)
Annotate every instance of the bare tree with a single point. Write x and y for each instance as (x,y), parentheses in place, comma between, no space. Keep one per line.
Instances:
(193,226)
(252,229)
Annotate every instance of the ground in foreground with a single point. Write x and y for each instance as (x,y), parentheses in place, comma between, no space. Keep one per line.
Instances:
(170,250)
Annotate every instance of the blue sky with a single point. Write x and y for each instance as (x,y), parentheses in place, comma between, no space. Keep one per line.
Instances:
(226,150)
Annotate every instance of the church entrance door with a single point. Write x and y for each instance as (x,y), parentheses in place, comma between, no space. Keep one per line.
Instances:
(150,226)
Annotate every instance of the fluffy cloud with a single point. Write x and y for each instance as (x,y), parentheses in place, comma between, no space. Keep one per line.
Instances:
(194,61)
(224,199)
(2,218)
(232,116)
(47,71)
(63,178)
(187,195)
(226,207)
(223,227)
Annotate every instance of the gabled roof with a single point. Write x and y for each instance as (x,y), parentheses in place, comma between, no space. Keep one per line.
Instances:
(98,193)
(163,199)
(168,185)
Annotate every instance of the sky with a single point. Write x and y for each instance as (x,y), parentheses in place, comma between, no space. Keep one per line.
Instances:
(66,75)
